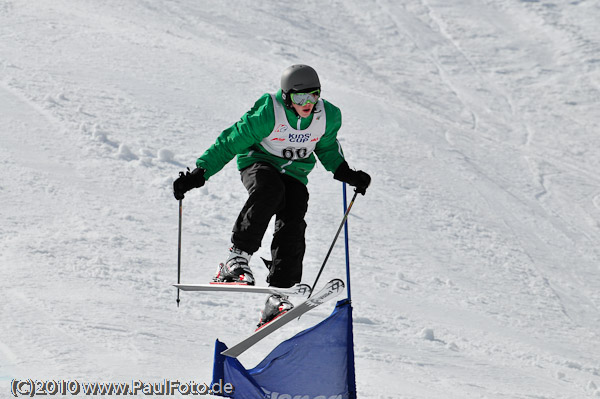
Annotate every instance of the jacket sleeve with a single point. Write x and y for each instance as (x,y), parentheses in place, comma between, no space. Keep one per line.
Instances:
(252,127)
(328,149)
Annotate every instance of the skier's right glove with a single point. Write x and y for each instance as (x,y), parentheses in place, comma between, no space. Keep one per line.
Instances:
(357,178)
(188,180)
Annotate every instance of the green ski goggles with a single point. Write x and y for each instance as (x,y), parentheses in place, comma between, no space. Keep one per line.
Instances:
(305,98)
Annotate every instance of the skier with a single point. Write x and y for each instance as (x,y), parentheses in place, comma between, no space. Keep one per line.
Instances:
(275,143)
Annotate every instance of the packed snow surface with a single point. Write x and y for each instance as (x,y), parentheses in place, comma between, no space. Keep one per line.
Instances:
(475,256)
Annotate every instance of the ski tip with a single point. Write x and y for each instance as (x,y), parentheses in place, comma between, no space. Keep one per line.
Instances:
(337,284)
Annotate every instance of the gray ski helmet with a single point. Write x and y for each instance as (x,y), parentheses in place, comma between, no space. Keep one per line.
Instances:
(297,79)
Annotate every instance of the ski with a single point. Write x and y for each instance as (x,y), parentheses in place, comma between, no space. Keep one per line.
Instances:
(331,289)
(296,290)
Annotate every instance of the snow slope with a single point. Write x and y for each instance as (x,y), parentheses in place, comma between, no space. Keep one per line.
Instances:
(475,259)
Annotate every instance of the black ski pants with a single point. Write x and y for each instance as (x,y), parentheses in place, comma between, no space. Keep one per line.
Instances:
(274,194)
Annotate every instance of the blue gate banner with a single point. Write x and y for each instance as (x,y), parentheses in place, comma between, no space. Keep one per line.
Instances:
(317,363)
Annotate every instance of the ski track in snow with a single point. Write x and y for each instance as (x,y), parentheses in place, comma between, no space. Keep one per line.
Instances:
(474,254)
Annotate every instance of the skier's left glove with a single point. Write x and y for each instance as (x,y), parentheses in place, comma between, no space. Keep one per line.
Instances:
(188,180)
(357,178)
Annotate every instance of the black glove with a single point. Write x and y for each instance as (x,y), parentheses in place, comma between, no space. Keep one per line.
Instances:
(188,180)
(356,178)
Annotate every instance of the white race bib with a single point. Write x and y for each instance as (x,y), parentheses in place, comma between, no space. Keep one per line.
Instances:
(289,143)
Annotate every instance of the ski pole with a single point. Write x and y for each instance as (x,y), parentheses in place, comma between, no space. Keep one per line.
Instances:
(346,245)
(333,243)
(179,250)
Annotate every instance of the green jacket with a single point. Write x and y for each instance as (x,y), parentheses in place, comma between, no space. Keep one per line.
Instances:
(244,137)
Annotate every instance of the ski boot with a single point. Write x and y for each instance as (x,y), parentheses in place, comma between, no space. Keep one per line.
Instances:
(235,270)
(276,305)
